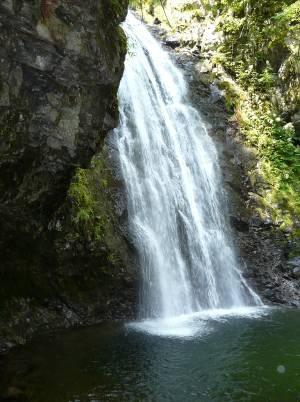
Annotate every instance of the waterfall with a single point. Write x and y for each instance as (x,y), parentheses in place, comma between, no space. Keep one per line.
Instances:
(176,204)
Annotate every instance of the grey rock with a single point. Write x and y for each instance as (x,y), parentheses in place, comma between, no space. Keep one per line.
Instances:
(240,224)
(296,272)
(172,42)
(294,262)
(296,123)
(216,93)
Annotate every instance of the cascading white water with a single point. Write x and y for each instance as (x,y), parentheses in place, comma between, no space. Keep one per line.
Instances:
(175,201)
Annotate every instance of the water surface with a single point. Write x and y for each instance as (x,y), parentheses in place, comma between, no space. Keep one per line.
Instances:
(232,358)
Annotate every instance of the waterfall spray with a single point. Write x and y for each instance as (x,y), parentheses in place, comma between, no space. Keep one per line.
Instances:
(176,203)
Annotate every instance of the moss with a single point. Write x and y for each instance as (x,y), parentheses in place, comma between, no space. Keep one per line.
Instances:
(113,11)
(90,212)
(254,48)
(117,7)
(279,160)
(122,41)
(91,196)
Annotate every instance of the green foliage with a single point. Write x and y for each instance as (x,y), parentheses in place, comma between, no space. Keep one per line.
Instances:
(114,8)
(88,194)
(93,216)
(254,51)
(82,198)
(255,38)
(122,41)
(147,8)
(146,4)
(110,13)
(279,159)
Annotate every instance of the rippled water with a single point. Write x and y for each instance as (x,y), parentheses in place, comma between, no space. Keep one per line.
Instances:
(232,358)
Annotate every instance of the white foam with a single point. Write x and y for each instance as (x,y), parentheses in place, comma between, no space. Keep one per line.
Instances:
(195,324)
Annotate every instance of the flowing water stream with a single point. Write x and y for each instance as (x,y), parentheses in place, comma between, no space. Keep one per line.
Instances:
(176,205)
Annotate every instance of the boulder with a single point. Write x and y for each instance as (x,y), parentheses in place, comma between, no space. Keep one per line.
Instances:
(296,272)
(172,42)
(294,262)
(239,224)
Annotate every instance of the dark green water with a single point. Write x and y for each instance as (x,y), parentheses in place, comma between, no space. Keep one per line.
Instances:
(233,359)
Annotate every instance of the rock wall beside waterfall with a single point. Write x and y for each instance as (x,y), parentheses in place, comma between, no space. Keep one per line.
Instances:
(60,66)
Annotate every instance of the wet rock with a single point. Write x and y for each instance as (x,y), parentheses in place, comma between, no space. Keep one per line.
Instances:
(296,123)
(241,225)
(216,94)
(172,42)
(296,272)
(294,262)
(203,67)
(204,72)
(269,294)
(14,394)
(195,51)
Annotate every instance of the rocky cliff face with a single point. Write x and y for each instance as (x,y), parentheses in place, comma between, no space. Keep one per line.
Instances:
(60,66)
